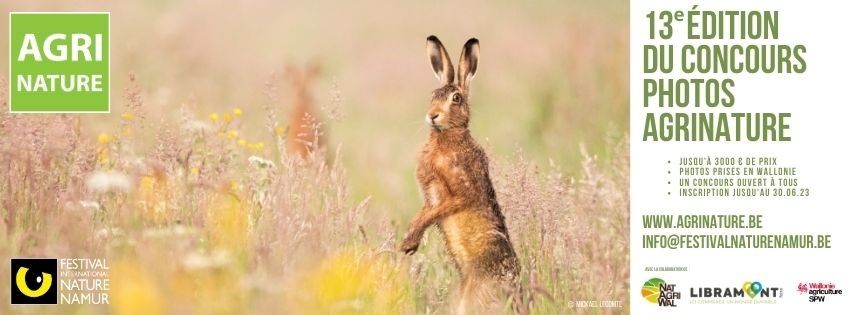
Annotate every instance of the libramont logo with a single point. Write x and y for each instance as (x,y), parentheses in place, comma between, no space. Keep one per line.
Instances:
(750,292)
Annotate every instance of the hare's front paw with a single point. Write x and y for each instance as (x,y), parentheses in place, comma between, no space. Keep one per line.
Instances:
(410,244)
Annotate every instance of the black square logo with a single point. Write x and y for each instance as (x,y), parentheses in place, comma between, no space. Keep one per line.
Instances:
(34,281)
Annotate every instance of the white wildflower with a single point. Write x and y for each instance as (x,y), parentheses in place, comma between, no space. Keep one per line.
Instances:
(172,232)
(197,126)
(101,181)
(260,162)
(108,232)
(197,261)
(90,205)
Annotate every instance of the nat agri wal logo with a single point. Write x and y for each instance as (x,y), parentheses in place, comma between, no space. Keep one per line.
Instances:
(34,281)
(58,62)
(657,291)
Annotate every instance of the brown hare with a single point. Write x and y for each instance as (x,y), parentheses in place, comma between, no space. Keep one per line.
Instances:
(452,171)
(302,138)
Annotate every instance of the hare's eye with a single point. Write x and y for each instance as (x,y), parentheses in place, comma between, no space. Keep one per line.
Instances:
(456,98)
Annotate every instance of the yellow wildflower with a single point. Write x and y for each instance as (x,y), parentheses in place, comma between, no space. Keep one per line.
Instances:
(153,194)
(237,112)
(241,142)
(147,183)
(214,117)
(280,131)
(351,276)
(227,117)
(227,223)
(105,138)
(103,156)
(259,145)
(232,134)
(127,116)
(133,289)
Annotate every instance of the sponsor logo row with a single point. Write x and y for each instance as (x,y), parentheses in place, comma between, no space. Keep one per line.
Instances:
(666,294)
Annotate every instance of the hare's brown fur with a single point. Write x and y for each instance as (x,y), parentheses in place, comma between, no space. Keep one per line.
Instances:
(302,137)
(452,171)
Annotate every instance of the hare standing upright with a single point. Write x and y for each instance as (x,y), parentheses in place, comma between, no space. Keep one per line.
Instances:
(452,170)
(302,137)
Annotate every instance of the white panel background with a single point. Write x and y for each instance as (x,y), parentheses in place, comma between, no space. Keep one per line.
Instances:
(820,103)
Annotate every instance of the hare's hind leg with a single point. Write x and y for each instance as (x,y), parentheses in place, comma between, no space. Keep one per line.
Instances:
(477,296)
(467,294)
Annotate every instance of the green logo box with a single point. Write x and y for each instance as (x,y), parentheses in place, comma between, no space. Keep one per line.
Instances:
(59,62)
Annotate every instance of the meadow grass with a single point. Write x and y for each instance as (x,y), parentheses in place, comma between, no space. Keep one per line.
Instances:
(209,222)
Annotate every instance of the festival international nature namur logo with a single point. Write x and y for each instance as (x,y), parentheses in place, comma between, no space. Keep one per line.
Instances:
(59,281)
(659,292)
(34,281)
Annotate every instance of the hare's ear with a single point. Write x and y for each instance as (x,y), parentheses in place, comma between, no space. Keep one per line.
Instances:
(440,63)
(468,64)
